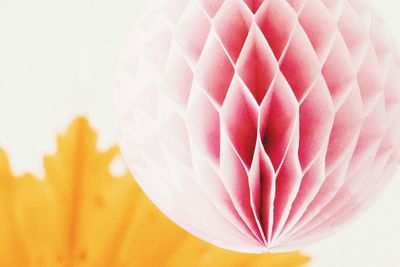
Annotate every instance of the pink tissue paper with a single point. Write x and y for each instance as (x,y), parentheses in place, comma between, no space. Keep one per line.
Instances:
(260,125)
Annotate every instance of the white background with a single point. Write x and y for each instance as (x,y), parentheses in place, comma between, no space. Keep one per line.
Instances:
(58,59)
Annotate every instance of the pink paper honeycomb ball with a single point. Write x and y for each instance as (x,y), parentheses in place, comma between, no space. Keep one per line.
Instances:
(260,125)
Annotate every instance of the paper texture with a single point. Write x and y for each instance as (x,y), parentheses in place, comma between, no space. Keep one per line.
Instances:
(260,125)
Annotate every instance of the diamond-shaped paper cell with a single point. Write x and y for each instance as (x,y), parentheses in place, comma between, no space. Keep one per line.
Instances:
(270,122)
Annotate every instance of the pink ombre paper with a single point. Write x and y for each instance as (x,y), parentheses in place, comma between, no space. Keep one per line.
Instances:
(260,125)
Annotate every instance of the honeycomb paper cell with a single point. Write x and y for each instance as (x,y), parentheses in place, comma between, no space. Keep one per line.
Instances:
(260,125)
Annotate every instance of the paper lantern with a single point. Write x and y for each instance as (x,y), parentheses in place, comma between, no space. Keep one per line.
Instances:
(260,125)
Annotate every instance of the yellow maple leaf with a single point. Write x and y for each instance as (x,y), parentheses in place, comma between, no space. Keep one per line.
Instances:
(81,215)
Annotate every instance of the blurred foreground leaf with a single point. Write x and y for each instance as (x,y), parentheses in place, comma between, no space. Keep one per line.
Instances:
(82,215)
